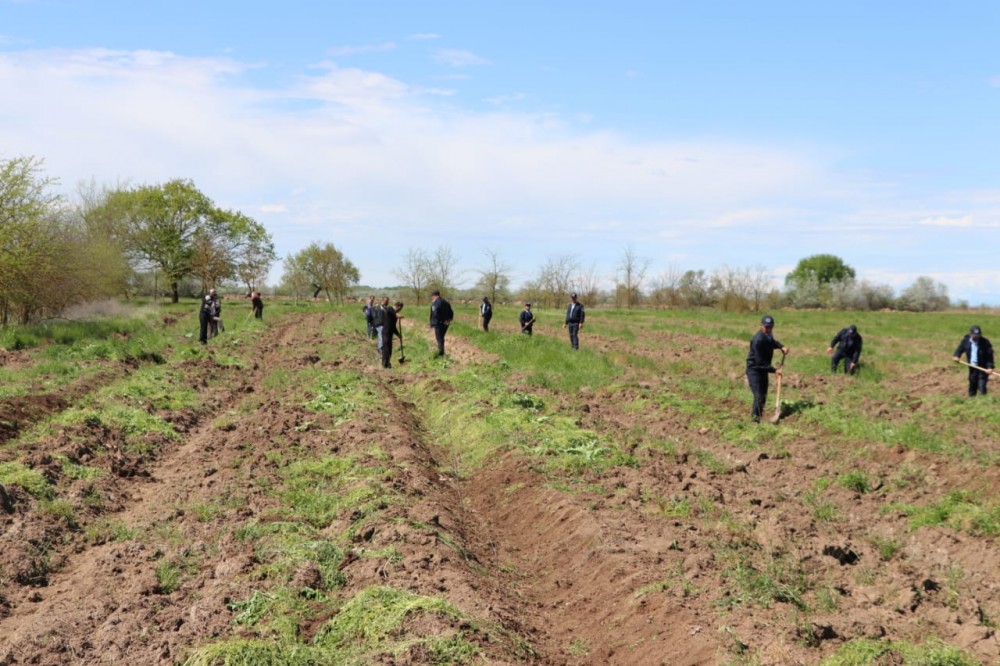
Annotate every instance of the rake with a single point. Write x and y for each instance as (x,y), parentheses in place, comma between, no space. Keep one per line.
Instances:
(976,367)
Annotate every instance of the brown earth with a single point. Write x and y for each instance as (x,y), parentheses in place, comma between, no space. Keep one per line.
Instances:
(600,575)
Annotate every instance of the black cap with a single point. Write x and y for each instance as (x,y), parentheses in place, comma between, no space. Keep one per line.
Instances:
(852,328)
(767,320)
(435,293)
(573,295)
(486,298)
(975,330)
(527,305)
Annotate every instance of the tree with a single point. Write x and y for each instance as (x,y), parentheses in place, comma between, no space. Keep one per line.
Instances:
(665,288)
(327,269)
(824,268)
(494,279)
(441,272)
(924,295)
(696,289)
(554,279)
(49,258)
(415,273)
(631,272)
(295,280)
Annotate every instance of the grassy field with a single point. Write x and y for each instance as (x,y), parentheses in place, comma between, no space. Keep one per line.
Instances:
(371,510)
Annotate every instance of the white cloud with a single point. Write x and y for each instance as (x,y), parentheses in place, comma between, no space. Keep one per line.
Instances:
(459,58)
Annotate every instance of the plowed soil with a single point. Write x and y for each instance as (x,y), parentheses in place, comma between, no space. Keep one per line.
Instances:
(599,575)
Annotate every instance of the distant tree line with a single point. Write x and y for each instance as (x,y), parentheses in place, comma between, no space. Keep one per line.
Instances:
(818,281)
(54,254)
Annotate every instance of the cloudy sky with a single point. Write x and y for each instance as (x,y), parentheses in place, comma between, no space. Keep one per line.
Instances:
(698,134)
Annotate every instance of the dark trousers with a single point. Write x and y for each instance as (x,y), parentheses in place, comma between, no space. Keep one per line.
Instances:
(258,312)
(758,386)
(386,349)
(203,320)
(574,335)
(486,322)
(839,354)
(439,332)
(977,382)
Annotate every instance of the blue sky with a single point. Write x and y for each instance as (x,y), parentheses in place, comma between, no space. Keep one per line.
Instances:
(698,134)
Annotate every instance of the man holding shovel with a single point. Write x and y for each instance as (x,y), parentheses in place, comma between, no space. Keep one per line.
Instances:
(979,351)
(759,366)
(390,327)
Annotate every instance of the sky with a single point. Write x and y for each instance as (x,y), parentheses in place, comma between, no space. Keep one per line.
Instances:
(695,135)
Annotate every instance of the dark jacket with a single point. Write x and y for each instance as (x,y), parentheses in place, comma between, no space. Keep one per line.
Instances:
(390,326)
(849,342)
(441,312)
(527,320)
(378,315)
(761,352)
(486,310)
(369,311)
(208,307)
(575,313)
(985,351)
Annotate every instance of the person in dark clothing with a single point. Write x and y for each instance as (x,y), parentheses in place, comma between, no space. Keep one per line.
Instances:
(390,327)
(378,321)
(574,320)
(257,303)
(441,316)
(759,366)
(527,319)
(369,310)
(216,322)
(486,313)
(979,351)
(848,343)
(205,314)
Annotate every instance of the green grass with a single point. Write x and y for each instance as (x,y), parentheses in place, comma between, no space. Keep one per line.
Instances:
(868,652)
(960,509)
(34,483)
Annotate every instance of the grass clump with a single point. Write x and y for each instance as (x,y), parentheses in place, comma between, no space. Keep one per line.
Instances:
(868,652)
(959,509)
(34,483)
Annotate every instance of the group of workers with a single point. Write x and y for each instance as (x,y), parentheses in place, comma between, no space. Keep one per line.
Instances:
(846,346)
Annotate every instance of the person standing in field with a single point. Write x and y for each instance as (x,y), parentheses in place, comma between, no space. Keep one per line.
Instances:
(369,310)
(378,320)
(257,303)
(216,322)
(848,343)
(390,327)
(762,347)
(527,319)
(979,351)
(574,320)
(486,313)
(441,316)
(205,314)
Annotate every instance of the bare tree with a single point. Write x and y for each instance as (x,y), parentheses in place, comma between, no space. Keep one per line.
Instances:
(588,285)
(415,273)
(441,271)
(495,278)
(555,279)
(665,288)
(630,274)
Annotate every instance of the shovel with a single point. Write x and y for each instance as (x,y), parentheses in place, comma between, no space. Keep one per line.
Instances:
(402,358)
(777,394)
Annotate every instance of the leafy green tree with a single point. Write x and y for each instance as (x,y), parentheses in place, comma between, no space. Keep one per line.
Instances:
(824,268)
(327,270)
